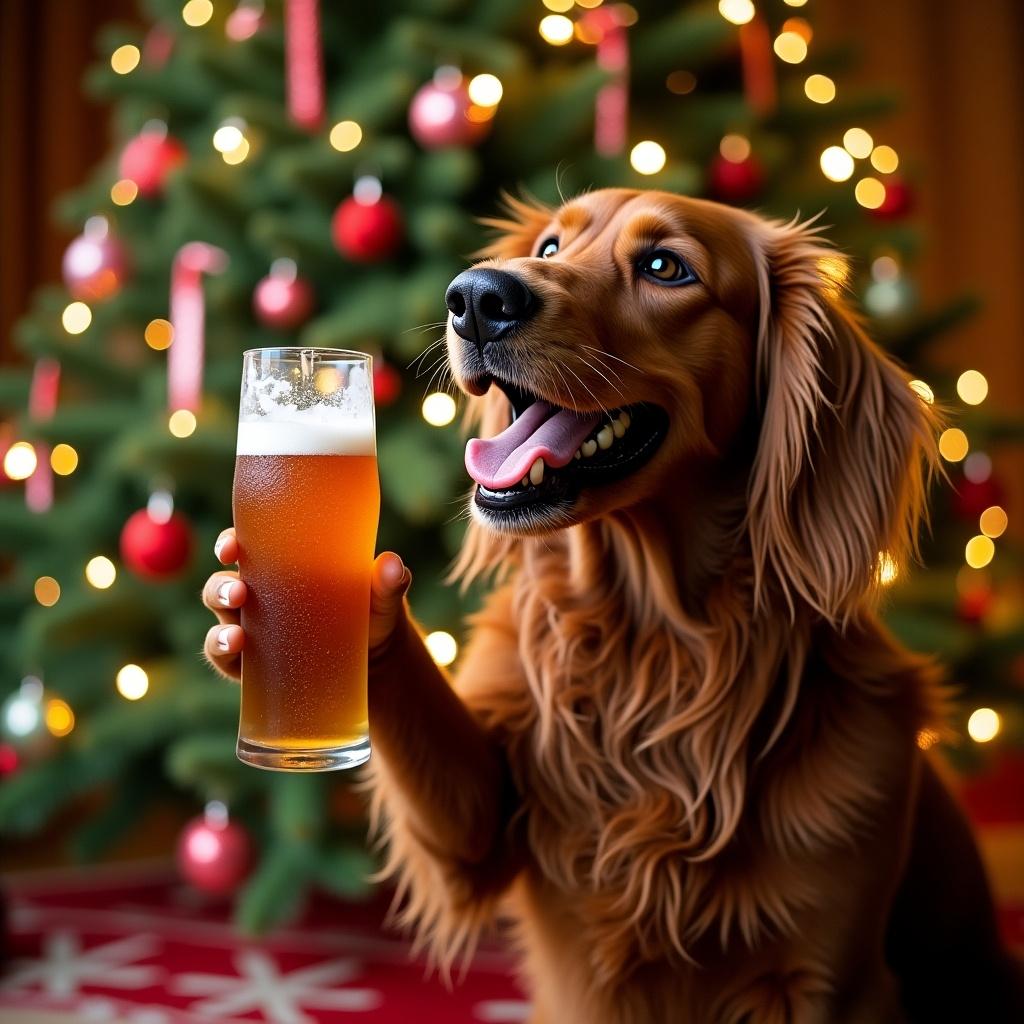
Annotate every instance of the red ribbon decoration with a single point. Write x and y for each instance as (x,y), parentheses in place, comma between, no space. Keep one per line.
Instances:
(188,317)
(611,109)
(42,404)
(304,63)
(759,86)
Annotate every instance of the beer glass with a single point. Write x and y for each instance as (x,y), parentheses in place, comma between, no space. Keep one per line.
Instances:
(306,501)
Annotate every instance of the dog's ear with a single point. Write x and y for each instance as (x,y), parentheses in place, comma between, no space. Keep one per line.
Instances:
(517,230)
(838,482)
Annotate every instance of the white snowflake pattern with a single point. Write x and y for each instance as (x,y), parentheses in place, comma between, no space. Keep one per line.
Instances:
(279,997)
(65,966)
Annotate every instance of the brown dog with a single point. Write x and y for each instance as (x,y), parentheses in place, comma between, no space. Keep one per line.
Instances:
(679,753)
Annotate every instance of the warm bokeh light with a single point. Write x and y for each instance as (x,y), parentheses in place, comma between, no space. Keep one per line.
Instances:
(442,646)
(979,551)
(884,159)
(327,380)
(123,192)
(977,467)
(885,268)
(800,26)
(870,193)
(555,29)
(647,157)
(439,409)
(485,90)
(794,3)
(20,461)
(589,3)
(63,459)
(125,58)
(47,591)
(100,572)
(182,423)
(345,136)
(858,143)
(735,148)
(953,444)
(132,682)
(739,12)
(927,738)
(790,47)
(887,569)
(836,164)
(681,82)
(76,317)
(972,387)
(993,521)
(228,136)
(197,12)
(923,390)
(159,334)
(558,6)
(238,154)
(983,725)
(59,717)
(820,89)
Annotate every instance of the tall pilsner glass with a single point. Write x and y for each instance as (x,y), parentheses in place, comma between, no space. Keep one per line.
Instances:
(306,501)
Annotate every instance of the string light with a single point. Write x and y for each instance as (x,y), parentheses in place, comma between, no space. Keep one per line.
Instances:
(125,59)
(558,6)
(836,164)
(681,82)
(647,157)
(993,521)
(100,572)
(927,738)
(884,159)
(800,26)
(345,136)
(196,13)
(23,712)
(76,317)
(790,47)
(229,135)
(59,717)
(980,550)
(47,591)
(20,461)
(589,3)
(734,148)
(870,193)
(739,12)
(438,409)
(327,380)
(63,460)
(794,3)
(978,467)
(858,143)
(485,90)
(442,647)
(953,444)
(972,387)
(983,725)
(887,569)
(159,334)
(132,682)
(182,423)
(820,89)
(123,192)
(238,154)
(923,391)
(555,29)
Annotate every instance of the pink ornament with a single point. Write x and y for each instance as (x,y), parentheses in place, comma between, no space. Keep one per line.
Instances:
(148,158)
(94,264)
(282,299)
(442,114)
(244,21)
(155,547)
(214,854)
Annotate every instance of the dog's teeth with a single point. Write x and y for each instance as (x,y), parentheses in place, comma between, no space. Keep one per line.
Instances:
(524,481)
(605,437)
(624,420)
(537,472)
(588,448)
(577,454)
(617,428)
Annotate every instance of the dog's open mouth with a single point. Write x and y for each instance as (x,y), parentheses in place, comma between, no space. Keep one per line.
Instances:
(549,454)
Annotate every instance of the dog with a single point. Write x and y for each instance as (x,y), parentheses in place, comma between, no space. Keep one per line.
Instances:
(678,760)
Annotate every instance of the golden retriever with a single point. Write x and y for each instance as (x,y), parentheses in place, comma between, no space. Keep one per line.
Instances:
(678,756)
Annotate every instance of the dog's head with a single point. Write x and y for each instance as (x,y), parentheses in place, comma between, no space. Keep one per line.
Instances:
(618,342)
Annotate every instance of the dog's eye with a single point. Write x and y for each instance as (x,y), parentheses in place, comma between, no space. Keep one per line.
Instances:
(548,248)
(665,267)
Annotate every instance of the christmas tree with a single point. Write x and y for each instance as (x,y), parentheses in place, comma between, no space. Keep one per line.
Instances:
(292,177)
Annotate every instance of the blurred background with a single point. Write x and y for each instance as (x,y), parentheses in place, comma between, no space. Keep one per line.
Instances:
(311,175)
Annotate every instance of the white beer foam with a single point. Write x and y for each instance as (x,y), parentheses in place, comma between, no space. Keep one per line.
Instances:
(340,436)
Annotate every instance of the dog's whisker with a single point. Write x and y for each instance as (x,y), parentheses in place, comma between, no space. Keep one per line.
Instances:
(611,355)
(568,390)
(426,327)
(426,352)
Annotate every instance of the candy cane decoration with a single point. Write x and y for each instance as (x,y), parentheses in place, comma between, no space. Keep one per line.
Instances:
(42,404)
(611,110)
(304,71)
(188,316)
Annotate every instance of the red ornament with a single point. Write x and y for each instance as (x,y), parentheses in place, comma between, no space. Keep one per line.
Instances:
(971,499)
(8,759)
(387,382)
(442,114)
(153,547)
(95,263)
(898,201)
(148,158)
(367,232)
(214,854)
(735,181)
(973,605)
(282,299)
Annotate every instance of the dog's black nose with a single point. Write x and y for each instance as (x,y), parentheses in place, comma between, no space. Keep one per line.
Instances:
(486,304)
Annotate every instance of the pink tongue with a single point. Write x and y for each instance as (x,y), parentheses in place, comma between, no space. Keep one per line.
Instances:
(540,432)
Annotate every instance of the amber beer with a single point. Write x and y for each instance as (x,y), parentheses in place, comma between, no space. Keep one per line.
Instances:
(306,501)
